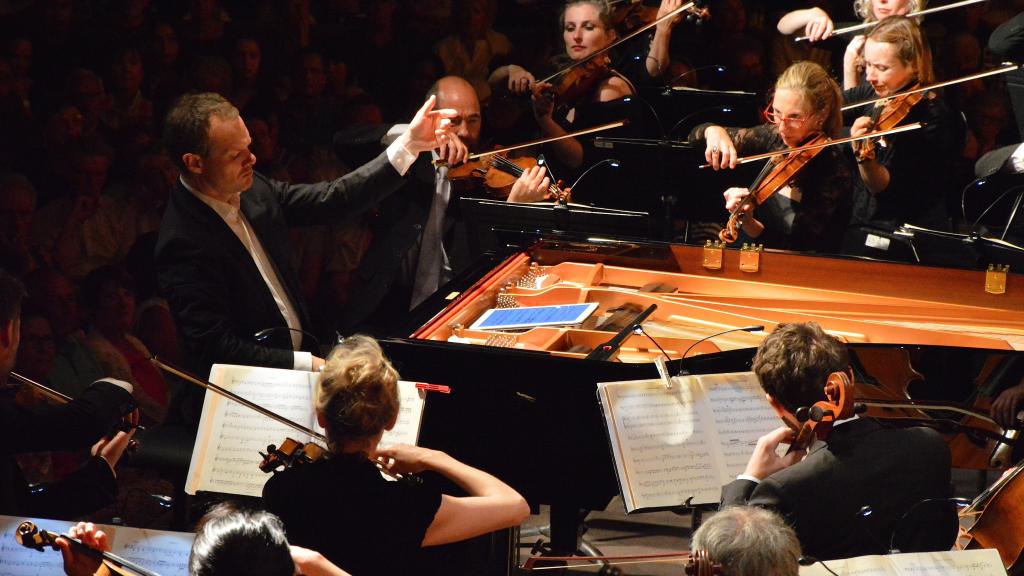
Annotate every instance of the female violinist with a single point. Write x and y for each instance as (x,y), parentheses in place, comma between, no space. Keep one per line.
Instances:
(907,179)
(586,28)
(811,212)
(343,508)
(817,25)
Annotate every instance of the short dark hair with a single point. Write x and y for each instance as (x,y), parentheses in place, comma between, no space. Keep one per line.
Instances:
(232,541)
(794,361)
(187,126)
(12,292)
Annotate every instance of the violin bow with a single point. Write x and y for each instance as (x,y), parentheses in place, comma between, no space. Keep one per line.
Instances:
(530,564)
(591,130)
(766,155)
(688,7)
(185,375)
(46,390)
(865,25)
(1006,67)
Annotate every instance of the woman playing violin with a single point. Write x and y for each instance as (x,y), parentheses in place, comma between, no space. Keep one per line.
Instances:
(908,177)
(586,28)
(811,212)
(342,507)
(817,25)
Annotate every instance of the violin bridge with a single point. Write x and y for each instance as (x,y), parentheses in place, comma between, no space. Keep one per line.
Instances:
(750,257)
(713,250)
(995,278)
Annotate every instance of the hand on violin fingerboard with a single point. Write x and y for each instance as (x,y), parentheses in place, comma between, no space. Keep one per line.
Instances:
(80,562)
(766,461)
(532,186)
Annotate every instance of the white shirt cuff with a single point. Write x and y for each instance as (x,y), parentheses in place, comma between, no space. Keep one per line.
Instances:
(399,157)
(120,383)
(749,477)
(303,361)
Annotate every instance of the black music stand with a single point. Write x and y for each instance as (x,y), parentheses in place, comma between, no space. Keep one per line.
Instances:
(483,217)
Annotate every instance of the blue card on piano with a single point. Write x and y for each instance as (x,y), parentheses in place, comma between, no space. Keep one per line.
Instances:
(530,316)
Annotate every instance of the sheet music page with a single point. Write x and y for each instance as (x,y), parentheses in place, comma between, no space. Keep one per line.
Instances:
(984,562)
(741,413)
(662,452)
(226,456)
(163,552)
(410,415)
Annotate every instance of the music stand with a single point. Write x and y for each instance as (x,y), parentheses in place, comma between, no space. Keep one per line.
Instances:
(483,217)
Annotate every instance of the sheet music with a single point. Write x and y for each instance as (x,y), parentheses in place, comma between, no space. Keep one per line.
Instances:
(410,414)
(660,437)
(741,414)
(673,444)
(163,552)
(226,455)
(984,562)
(231,436)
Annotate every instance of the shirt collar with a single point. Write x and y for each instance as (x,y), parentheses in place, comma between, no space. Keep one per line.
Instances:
(226,211)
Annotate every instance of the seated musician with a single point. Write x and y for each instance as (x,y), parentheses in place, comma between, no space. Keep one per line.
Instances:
(823,495)
(907,180)
(812,210)
(88,420)
(749,541)
(417,246)
(586,28)
(228,541)
(344,508)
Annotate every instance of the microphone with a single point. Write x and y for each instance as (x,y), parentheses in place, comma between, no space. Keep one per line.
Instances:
(613,162)
(682,121)
(266,333)
(718,68)
(811,560)
(744,329)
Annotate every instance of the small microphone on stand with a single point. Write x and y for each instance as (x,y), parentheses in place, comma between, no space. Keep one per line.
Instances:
(744,329)
(605,351)
(717,67)
(610,161)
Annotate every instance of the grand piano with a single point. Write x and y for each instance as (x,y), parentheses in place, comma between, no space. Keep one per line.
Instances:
(523,404)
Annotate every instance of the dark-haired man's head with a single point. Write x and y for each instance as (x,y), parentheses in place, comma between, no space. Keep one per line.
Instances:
(794,361)
(236,542)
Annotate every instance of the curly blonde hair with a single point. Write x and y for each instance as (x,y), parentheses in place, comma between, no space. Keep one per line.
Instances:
(358,391)
(863,8)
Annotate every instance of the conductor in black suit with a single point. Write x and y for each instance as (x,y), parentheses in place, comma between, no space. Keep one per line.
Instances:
(823,493)
(87,420)
(222,254)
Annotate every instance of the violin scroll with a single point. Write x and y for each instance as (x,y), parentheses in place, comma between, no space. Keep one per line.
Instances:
(30,536)
(290,453)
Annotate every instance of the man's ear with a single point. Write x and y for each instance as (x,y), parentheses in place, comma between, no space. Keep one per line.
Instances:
(193,162)
(391,425)
(321,420)
(780,410)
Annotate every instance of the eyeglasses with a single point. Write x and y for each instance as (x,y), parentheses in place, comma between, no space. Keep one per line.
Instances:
(775,118)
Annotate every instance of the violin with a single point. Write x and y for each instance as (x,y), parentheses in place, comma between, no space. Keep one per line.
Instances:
(817,421)
(290,452)
(30,536)
(499,173)
(885,117)
(775,175)
(582,77)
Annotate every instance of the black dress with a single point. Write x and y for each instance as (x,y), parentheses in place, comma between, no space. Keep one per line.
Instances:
(817,220)
(343,508)
(920,164)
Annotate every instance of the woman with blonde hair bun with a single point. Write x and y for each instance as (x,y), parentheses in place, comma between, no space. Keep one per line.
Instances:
(344,508)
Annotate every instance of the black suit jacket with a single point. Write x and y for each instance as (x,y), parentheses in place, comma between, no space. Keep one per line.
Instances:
(863,464)
(72,426)
(214,288)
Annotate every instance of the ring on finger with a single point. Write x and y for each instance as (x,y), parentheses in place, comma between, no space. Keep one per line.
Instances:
(714,149)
